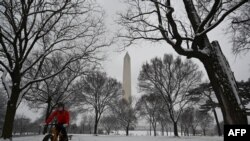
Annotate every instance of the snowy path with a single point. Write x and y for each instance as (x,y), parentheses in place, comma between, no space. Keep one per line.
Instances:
(124,138)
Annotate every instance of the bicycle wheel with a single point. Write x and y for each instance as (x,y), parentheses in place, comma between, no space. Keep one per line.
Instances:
(48,138)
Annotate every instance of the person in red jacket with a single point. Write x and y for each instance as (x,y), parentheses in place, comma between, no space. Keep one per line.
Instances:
(62,117)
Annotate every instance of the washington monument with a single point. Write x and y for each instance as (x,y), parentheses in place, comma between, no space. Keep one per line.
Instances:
(126,86)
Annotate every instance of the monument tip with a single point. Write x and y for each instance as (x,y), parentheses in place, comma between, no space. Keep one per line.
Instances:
(127,54)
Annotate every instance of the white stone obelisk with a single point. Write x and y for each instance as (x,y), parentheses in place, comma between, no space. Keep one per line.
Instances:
(127,79)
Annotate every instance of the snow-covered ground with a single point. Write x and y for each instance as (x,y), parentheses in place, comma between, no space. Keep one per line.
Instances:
(141,133)
(124,138)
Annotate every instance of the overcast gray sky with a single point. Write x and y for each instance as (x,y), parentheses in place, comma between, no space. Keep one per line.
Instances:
(143,52)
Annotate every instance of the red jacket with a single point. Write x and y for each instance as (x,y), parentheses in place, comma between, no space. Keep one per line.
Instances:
(61,116)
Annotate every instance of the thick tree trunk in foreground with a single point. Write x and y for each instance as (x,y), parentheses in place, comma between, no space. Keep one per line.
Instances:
(224,85)
(11,111)
(9,120)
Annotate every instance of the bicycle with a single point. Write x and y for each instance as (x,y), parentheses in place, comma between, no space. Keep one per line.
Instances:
(54,134)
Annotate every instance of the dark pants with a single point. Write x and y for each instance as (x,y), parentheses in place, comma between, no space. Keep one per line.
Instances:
(62,130)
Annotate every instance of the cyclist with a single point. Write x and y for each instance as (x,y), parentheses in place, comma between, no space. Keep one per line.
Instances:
(62,116)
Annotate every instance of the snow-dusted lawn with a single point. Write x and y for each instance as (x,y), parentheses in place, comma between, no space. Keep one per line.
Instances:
(124,138)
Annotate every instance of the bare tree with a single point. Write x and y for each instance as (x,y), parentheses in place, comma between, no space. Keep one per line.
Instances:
(196,119)
(125,113)
(159,20)
(98,91)
(31,30)
(110,123)
(56,89)
(186,119)
(21,124)
(87,124)
(205,122)
(207,102)
(163,118)
(172,79)
(240,28)
(149,106)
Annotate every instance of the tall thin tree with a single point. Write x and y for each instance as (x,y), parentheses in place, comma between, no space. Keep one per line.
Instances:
(98,91)
(172,79)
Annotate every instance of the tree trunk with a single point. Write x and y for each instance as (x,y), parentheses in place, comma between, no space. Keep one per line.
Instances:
(217,122)
(224,85)
(187,131)
(193,131)
(127,130)
(90,132)
(170,131)
(175,129)
(204,132)
(154,131)
(11,111)
(154,127)
(45,129)
(108,132)
(167,130)
(162,129)
(96,124)
(150,125)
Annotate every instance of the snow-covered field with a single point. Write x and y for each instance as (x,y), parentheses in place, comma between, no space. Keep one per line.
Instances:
(124,138)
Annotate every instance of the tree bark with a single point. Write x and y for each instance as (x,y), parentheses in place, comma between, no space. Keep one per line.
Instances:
(224,85)
(175,129)
(11,110)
